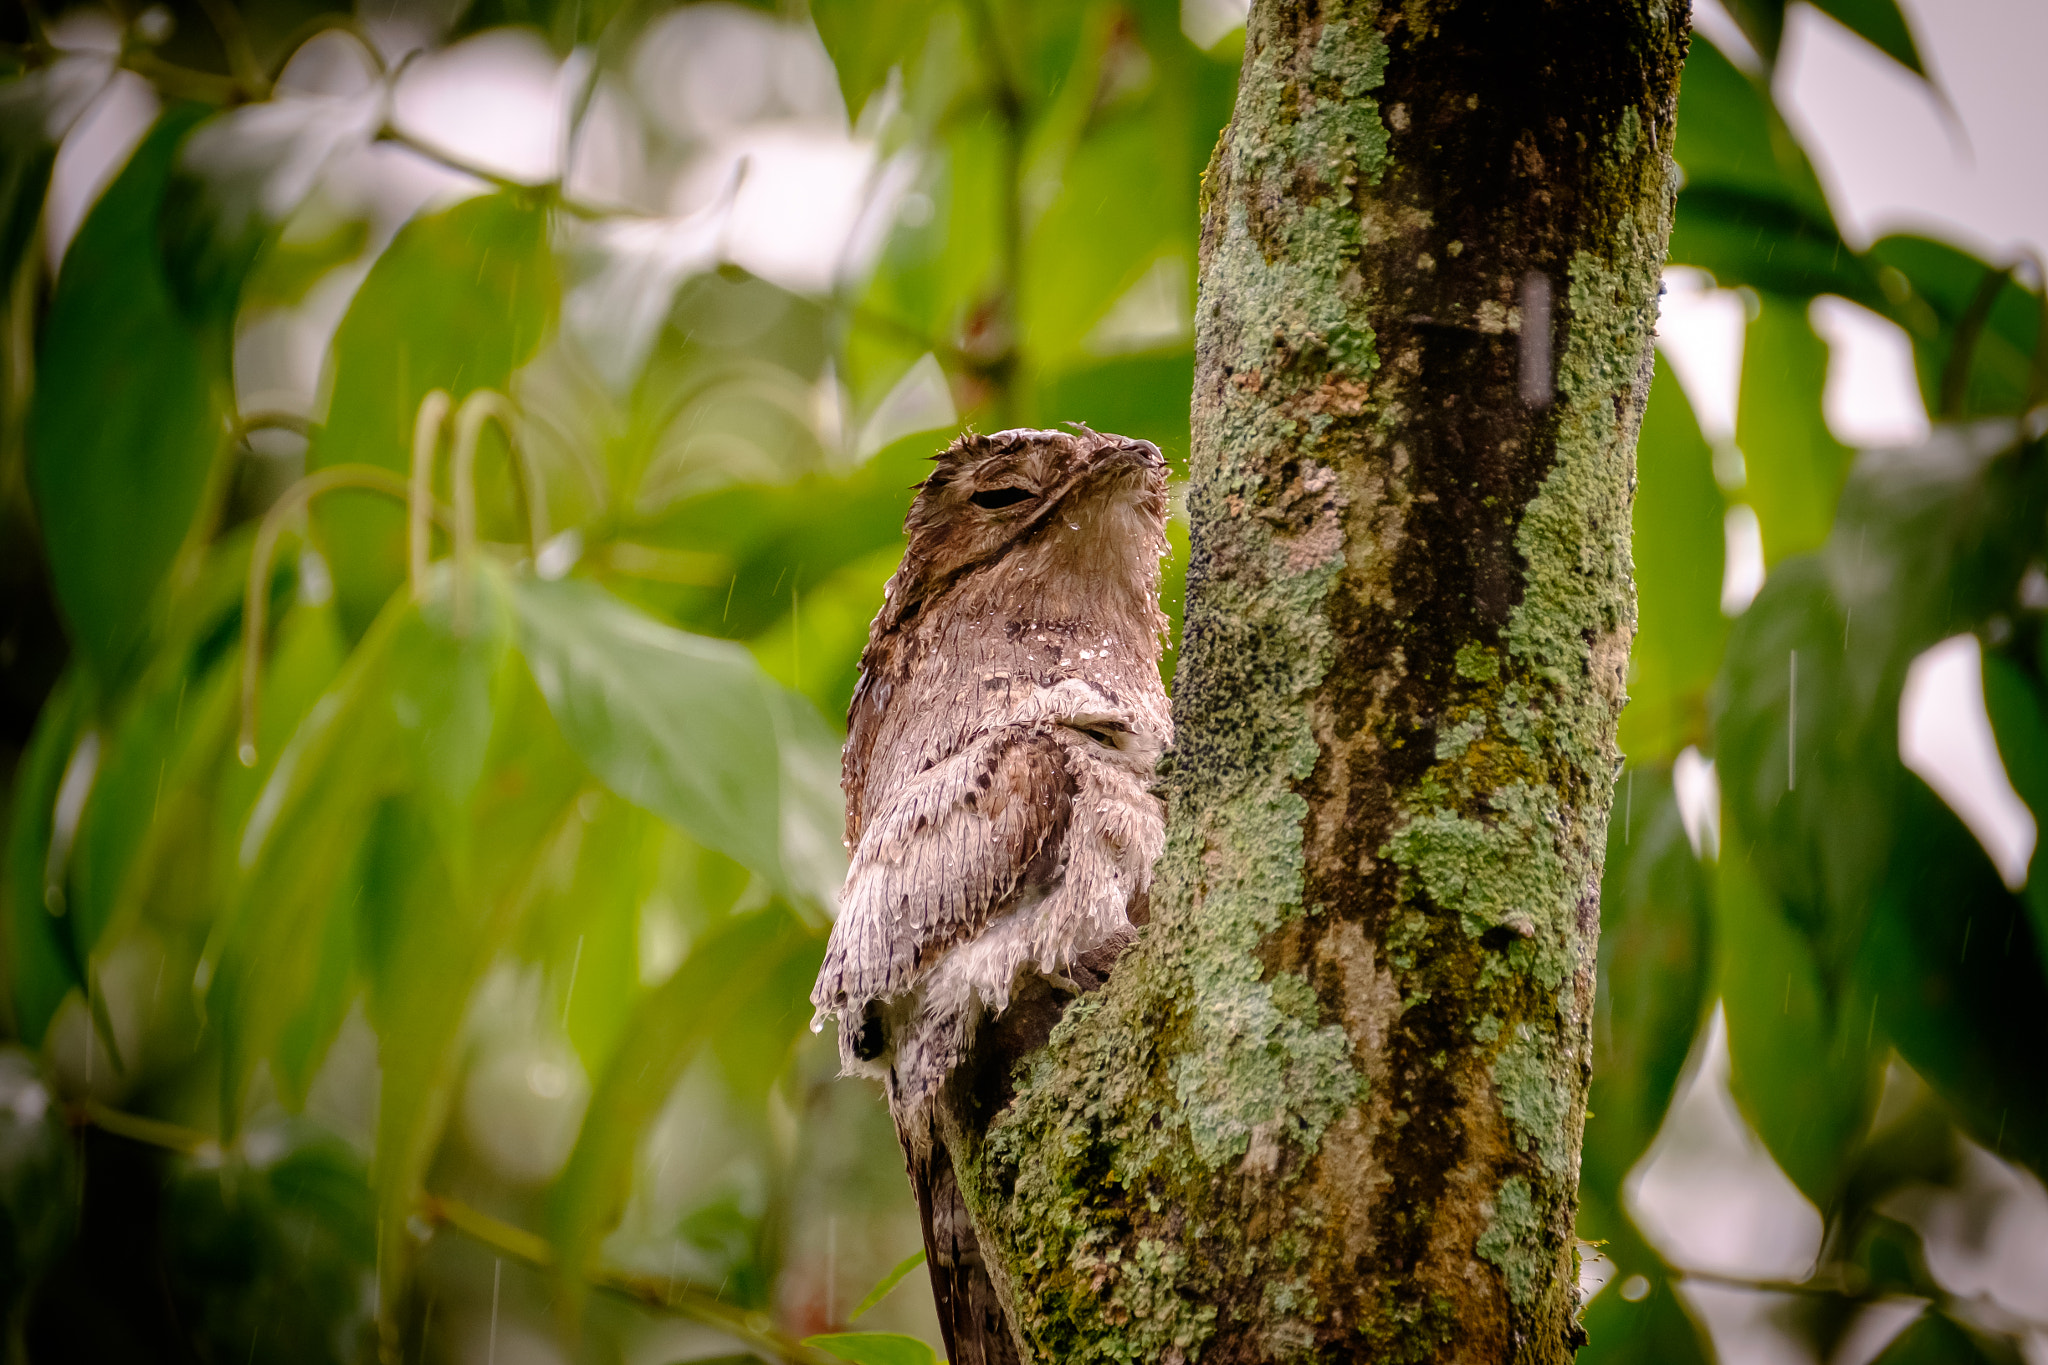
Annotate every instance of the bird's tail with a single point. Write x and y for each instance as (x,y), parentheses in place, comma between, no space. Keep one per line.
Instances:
(977,1331)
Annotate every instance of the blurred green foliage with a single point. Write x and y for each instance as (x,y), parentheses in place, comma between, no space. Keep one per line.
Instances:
(420,835)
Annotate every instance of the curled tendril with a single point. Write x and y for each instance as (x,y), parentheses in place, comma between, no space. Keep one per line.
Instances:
(487,405)
(419,499)
(484,405)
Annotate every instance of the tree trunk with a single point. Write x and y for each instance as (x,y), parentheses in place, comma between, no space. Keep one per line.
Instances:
(1331,1105)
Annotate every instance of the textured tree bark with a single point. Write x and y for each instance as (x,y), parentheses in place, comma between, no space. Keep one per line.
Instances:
(1330,1106)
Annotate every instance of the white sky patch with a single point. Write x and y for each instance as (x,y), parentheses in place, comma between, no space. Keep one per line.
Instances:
(1209,22)
(709,70)
(609,164)
(1700,330)
(1890,156)
(1945,736)
(1989,1239)
(1873,396)
(1711,19)
(1698,791)
(94,153)
(1709,1196)
(1742,576)
(802,195)
(492,100)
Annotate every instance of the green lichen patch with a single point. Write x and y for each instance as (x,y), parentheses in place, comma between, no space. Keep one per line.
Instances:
(1514,1242)
(1476,663)
(1289,258)
(1499,871)
(1536,1100)
(1251,1057)
(1453,740)
(1574,534)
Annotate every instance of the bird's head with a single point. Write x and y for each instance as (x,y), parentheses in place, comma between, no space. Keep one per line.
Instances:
(1049,511)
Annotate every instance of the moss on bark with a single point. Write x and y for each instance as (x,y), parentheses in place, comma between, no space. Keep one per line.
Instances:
(1330,1106)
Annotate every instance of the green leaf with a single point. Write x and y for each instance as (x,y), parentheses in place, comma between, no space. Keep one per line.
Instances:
(1752,211)
(1763,241)
(585,923)
(238,176)
(886,1283)
(1935,1338)
(1930,289)
(1928,542)
(147,751)
(458,301)
(1959,981)
(869,38)
(158,831)
(1732,139)
(564,23)
(1653,1330)
(1805,1057)
(127,419)
(1806,748)
(875,1348)
(1678,552)
(780,539)
(1762,22)
(1879,22)
(934,280)
(1882,24)
(311,1025)
(737,970)
(2018,724)
(1138,395)
(299,856)
(813,806)
(1795,466)
(447,885)
(43,967)
(1124,202)
(677,723)
(1656,924)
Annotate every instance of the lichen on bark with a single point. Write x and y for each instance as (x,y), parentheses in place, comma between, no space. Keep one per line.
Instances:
(1330,1104)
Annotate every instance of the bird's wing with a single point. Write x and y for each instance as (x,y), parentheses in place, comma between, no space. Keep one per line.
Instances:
(940,857)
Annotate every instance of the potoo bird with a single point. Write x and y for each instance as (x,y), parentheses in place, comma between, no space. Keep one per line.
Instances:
(998,771)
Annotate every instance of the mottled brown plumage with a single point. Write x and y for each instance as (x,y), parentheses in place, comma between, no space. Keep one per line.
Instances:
(999,758)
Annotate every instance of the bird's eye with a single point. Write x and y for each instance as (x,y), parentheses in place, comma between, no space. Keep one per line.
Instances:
(991,498)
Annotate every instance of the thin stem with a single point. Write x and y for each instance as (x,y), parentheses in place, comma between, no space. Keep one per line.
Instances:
(256,592)
(486,405)
(2037,373)
(185,82)
(150,1132)
(234,41)
(426,442)
(482,406)
(683,1300)
(1955,375)
(398,137)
